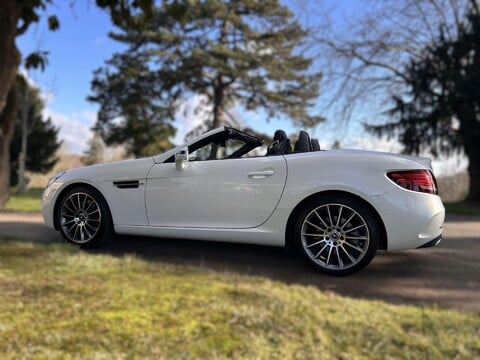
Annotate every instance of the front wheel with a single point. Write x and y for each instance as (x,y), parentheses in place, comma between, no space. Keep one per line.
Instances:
(338,235)
(84,218)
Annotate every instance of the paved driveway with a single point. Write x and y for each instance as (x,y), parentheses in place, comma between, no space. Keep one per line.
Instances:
(448,275)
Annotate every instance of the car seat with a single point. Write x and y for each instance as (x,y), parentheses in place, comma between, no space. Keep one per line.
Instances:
(280,144)
(315,145)
(303,143)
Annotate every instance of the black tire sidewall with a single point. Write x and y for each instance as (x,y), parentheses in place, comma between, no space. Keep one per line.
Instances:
(364,211)
(106,226)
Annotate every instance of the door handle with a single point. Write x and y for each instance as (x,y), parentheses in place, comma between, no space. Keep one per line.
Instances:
(260,174)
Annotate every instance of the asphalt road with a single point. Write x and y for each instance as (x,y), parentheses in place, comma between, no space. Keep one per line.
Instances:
(448,275)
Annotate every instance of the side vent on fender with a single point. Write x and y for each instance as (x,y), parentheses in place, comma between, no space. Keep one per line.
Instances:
(127,184)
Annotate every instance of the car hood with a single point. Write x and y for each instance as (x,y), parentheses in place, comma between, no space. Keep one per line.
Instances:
(118,170)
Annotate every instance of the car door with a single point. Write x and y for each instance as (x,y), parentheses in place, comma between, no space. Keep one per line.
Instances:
(226,193)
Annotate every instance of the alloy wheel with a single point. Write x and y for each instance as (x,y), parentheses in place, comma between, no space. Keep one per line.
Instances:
(80,217)
(335,236)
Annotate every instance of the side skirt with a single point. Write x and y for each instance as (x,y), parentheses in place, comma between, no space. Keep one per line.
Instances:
(256,236)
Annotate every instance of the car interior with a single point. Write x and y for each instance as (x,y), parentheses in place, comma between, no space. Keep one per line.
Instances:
(234,144)
(281,144)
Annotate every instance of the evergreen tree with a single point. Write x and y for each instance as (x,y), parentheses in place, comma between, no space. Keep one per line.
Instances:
(230,51)
(131,111)
(442,110)
(95,154)
(336,145)
(42,139)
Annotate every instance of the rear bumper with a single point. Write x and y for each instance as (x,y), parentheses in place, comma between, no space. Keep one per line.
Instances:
(412,220)
(431,243)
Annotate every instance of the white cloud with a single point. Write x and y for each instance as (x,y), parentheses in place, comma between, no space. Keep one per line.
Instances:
(188,116)
(45,94)
(27,76)
(373,143)
(74,128)
(446,166)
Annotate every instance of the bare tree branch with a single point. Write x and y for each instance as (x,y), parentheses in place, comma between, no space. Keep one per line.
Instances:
(365,55)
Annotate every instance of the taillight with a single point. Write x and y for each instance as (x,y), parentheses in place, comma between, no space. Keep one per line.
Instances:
(415,180)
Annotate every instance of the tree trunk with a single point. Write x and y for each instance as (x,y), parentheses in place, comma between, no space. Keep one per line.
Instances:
(22,157)
(9,54)
(219,105)
(470,132)
(219,87)
(7,121)
(474,174)
(218,117)
(218,114)
(471,135)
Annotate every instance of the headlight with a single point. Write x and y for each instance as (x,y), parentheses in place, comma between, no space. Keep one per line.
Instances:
(55,178)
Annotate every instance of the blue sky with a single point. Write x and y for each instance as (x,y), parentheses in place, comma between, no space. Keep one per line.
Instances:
(75,50)
(80,46)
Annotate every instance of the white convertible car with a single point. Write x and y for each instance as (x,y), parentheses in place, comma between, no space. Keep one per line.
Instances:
(338,207)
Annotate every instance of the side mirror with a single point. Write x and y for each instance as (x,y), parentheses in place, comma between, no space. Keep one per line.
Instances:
(181,159)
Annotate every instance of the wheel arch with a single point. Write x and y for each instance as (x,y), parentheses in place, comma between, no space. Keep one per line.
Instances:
(70,187)
(290,229)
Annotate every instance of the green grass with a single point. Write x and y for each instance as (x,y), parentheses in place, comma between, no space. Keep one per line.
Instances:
(27,202)
(463,208)
(58,302)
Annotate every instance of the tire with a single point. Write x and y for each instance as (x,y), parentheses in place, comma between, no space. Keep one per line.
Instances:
(84,219)
(338,235)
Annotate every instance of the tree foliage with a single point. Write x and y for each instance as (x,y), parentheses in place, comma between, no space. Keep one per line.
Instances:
(42,138)
(95,154)
(441,110)
(124,11)
(132,109)
(229,51)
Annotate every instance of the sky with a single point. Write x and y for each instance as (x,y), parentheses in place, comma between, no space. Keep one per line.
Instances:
(82,45)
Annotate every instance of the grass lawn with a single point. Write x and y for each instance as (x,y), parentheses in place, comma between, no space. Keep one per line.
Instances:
(59,302)
(27,202)
(463,208)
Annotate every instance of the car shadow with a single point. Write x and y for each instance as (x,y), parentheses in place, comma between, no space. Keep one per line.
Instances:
(427,276)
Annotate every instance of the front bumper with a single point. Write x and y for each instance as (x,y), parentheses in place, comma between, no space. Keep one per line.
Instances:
(48,203)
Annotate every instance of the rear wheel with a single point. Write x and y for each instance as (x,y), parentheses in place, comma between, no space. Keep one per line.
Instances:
(338,235)
(84,218)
